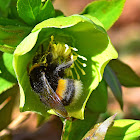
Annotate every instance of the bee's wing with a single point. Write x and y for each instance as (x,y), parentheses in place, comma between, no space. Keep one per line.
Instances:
(50,98)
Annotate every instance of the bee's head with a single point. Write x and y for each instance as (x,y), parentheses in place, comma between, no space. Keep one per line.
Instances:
(60,69)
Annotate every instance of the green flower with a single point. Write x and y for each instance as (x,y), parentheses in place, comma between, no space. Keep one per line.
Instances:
(94,51)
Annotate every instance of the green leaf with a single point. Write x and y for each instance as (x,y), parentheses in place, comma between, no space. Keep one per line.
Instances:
(4,5)
(7,75)
(14,22)
(28,10)
(99,131)
(13,14)
(125,74)
(98,99)
(107,11)
(58,13)
(114,84)
(124,130)
(77,31)
(11,34)
(47,11)
(33,11)
(7,102)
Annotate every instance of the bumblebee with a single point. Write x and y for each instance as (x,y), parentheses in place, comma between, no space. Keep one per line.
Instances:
(55,91)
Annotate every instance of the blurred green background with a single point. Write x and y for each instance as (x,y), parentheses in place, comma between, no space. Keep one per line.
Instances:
(125,36)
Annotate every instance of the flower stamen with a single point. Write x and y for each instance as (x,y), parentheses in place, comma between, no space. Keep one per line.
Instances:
(82,71)
(77,74)
(63,53)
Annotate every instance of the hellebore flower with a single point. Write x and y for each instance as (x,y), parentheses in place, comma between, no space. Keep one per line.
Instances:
(90,45)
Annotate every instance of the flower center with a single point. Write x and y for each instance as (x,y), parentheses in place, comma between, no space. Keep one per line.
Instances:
(62,53)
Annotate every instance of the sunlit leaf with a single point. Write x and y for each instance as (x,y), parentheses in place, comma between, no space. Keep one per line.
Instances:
(28,10)
(107,11)
(33,11)
(124,129)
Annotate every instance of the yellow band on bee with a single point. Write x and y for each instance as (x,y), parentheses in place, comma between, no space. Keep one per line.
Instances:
(61,88)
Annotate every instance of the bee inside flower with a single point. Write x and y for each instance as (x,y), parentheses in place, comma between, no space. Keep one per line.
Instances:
(51,76)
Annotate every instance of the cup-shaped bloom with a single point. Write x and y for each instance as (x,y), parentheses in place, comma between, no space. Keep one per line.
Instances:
(90,46)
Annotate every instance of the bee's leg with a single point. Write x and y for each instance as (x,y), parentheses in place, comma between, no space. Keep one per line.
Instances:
(59,70)
(63,66)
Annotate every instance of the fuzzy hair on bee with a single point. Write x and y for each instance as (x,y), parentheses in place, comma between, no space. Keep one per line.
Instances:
(47,79)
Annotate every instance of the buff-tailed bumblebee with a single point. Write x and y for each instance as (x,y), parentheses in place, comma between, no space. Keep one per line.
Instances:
(48,80)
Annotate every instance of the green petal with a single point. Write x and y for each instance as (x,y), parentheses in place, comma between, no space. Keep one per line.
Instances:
(27,44)
(29,101)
